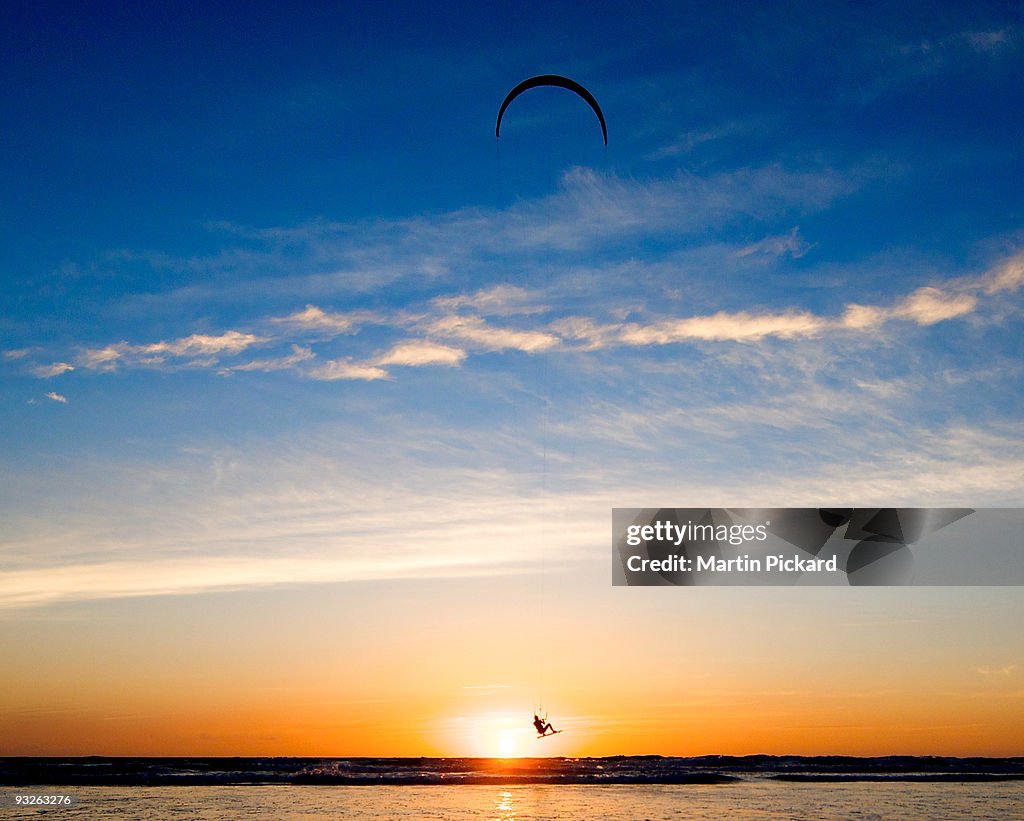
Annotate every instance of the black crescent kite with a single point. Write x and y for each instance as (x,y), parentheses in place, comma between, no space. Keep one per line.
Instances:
(557,81)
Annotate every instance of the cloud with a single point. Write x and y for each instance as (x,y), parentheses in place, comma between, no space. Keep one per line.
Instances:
(422,352)
(786,244)
(735,327)
(993,41)
(929,56)
(925,306)
(101,359)
(687,142)
(656,271)
(354,504)
(1008,276)
(454,327)
(862,317)
(298,355)
(183,576)
(476,332)
(20,353)
(350,503)
(313,317)
(997,672)
(231,342)
(592,335)
(500,300)
(204,349)
(339,369)
(928,305)
(53,369)
(591,210)
(461,321)
(56,397)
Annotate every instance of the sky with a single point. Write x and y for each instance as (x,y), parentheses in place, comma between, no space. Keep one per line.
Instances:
(316,397)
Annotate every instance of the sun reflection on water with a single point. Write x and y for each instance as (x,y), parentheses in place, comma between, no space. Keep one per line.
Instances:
(505,810)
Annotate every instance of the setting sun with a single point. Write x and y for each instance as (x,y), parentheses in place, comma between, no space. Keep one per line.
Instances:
(503,734)
(507,746)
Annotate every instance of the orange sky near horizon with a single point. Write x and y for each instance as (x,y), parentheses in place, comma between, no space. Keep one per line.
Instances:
(453,668)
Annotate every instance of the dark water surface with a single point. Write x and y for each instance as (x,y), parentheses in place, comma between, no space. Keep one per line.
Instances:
(103,771)
(557,789)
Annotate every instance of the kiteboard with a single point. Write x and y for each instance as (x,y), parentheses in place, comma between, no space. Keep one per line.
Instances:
(553,732)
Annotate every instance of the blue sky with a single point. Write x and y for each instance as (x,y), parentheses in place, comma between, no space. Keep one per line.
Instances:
(246,231)
(273,292)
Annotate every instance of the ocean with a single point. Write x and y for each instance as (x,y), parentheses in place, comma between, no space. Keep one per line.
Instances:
(614,789)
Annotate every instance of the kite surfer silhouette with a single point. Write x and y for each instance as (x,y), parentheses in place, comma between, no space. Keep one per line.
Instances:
(543,727)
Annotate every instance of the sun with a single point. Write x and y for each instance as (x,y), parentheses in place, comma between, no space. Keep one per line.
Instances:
(508,744)
(496,734)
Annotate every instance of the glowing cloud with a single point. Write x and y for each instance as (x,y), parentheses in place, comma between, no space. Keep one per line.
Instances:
(737,327)
(101,359)
(478,333)
(422,352)
(231,342)
(1009,276)
(202,347)
(280,363)
(313,317)
(54,369)
(501,300)
(347,369)
(926,306)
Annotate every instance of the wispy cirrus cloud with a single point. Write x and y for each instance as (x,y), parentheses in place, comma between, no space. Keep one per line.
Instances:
(417,353)
(298,355)
(442,305)
(791,244)
(345,369)
(187,576)
(57,397)
(314,318)
(320,260)
(1005,671)
(204,348)
(476,332)
(230,342)
(341,505)
(687,142)
(937,52)
(1006,277)
(925,306)
(53,369)
(448,329)
(721,327)
(310,512)
(993,41)
(498,300)
(592,210)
